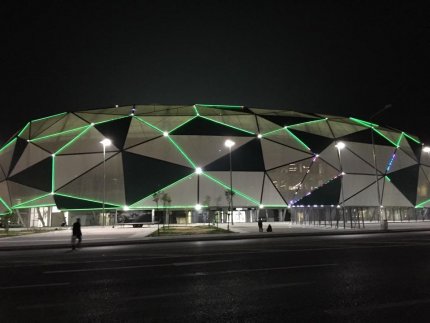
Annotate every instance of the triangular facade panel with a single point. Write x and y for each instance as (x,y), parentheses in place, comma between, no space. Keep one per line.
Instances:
(70,203)
(38,176)
(55,142)
(245,122)
(39,126)
(366,197)
(353,184)
(116,131)
(316,143)
(406,180)
(319,128)
(423,191)
(67,123)
(276,155)
(399,161)
(31,155)
(21,193)
(324,195)
(271,196)
(4,193)
(393,197)
(341,129)
(139,132)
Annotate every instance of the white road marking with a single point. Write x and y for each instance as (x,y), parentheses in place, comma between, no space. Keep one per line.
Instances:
(34,286)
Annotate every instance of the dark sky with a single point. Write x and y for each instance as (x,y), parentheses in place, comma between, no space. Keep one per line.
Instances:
(348,58)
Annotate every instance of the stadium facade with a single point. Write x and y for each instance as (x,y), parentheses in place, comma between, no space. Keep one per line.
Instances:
(281,165)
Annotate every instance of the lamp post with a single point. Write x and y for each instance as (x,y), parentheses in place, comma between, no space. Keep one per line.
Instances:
(374,158)
(106,143)
(340,145)
(230,143)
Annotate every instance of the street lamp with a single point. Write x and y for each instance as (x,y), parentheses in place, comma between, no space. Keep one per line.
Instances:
(341,145)
(230,143)
(106,143)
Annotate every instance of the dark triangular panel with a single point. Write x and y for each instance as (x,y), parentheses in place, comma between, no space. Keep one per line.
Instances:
(204,127)
(417,148)
(70,203)
(20,146)
(37,176)
(144,175)
(247,158)
(365,136)
(316,143)
(115,130)
(406,180)
(287,120)
(327,194)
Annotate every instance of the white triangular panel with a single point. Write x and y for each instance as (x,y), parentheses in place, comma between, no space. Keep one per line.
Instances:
(319,128)
(70,167)
(98,117)
(22,193)
(183,194)
(271,195)
(351,184)
(40,125)
(67,123)
(203,150)
(341,129)
(400,161)
(406,147)
(276,155)
(217,192)
(6,157)
(54,143)
(140,132)
(166,124)
(31,155)
(162,149)
(393,197)
(4,193)
(265,126)
(331,156)
(43,201)
(88,142)
(245,122)
(353,164)
(423,190)
(368,197)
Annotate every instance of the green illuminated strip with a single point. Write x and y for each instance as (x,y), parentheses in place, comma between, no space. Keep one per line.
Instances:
(297,139)
(183,124)
(104,121)
(364,123)
(8,144)
(400,139)
(387,178)
(29,201)
(197,111)
(85,199)
(182,152)
(7,207)
(149,124)
(422,203)
(23,129)
(270,132)
(55,115)
(92,209)
(307,122)
(220,106)
(413,139)
(227,125)
(382,135)
(58,133)
(53,174)
(74,139)
(164,188)
(235,191)
(275,205)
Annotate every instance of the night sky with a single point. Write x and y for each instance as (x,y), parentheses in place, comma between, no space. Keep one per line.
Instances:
(348,58)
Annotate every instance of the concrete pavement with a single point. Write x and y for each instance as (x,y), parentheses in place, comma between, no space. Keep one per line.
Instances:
(121,235)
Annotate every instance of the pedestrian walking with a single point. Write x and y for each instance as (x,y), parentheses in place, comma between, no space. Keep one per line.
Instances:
(260,225)
(76,234)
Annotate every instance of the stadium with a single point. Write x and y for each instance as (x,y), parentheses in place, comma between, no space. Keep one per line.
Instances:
(211,163)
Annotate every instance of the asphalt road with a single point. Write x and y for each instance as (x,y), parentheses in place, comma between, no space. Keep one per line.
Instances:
(352,278)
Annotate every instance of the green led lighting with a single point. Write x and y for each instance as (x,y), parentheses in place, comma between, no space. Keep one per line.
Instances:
(49,117)
(8,144)
(364,123)
(385,137)
(422,204)
(85,199)
(387,178)
(227,125)
(7,207)
(182,152)
(23,129)
(411,138)
(274,205)
(164,188)
(220,106)
(92,209)
(307,122)
(195,109)
(183,124)
(74,139)
(22,205)
(297,139)
(34,205)
(270,132)
(58,134)
(148,124)
(235,191)
(400,139)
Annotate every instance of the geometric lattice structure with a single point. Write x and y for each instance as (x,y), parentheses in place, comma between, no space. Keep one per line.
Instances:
(280,158)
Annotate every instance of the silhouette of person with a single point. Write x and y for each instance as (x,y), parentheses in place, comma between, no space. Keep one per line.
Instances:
(269,228)
(76,234)
(260,225)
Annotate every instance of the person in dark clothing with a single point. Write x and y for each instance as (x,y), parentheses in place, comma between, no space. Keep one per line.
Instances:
(269,228)
(76,234)
(260,225)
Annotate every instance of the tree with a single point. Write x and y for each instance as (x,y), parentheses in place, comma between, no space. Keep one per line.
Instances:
(228,196)
(166,202)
